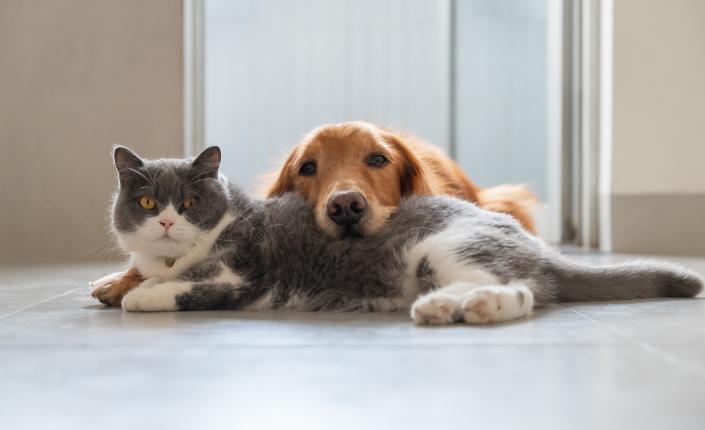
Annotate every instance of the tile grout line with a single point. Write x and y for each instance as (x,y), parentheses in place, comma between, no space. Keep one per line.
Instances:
(647,347)
(38,303)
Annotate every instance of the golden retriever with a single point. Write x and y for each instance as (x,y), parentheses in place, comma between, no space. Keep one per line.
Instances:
(355,174)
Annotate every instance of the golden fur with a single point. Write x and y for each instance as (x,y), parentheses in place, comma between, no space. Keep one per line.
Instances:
(111,291)
(341,152)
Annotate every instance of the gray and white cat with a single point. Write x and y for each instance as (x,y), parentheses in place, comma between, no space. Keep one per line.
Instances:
(201,243)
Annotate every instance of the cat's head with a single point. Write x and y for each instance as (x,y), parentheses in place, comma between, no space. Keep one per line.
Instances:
(163,206)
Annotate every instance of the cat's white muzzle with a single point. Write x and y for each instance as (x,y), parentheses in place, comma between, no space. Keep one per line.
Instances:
(152,238)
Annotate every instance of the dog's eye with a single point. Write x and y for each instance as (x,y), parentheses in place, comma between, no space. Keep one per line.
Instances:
(307,169)
(377,160)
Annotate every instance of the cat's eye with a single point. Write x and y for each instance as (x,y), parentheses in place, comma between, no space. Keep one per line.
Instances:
(147,203)
(307,169)
(377,160)
(189,202)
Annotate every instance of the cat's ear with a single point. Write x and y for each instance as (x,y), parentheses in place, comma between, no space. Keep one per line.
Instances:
(208,161)
(125,159)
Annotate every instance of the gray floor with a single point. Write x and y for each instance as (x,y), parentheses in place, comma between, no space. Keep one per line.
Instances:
(66,362)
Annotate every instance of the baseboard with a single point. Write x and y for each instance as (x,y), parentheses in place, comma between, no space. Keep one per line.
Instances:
(670,224)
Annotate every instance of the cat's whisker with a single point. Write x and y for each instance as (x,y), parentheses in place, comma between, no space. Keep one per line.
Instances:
(154,183)
(98,248)
(201,180)
(200,175)
(105,251)
(149,180)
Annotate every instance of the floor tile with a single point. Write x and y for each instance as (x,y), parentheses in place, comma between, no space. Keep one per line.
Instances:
(348,387)
(69,363)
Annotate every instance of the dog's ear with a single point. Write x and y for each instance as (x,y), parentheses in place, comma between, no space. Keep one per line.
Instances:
(413,178)
(284,183)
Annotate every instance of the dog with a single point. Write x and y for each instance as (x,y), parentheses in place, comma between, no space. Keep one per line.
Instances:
(355,174)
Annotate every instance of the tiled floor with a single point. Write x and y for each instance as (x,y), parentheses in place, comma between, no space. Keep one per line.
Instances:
(67,363)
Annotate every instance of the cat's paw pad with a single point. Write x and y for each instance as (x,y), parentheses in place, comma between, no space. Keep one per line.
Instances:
(149,297)
(496,304)
(435,308)
(481,307)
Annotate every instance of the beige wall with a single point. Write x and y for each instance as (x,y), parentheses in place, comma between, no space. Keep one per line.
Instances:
(658,202)
(659,96)
(77,76)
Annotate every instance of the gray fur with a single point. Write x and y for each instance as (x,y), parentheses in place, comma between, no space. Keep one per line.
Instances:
(276,248)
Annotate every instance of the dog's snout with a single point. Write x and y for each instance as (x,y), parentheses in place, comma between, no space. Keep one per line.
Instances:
(347,207)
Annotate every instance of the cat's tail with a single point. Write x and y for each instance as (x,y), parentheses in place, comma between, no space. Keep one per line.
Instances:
(634,280)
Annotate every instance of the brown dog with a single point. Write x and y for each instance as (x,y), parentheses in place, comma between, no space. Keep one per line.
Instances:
(355,174)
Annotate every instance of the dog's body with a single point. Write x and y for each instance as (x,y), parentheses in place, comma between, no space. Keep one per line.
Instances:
(452,260)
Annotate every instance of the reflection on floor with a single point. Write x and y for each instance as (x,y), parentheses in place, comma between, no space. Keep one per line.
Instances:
(67,363)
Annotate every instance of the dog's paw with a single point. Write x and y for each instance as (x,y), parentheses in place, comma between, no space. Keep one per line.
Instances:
(493,304)
(108,294)
(436,308)
(107,289)
(106,280)
(110,289)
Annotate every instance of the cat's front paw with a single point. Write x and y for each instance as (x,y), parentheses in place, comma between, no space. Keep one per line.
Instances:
(153,295)
(493,304)
(435,308)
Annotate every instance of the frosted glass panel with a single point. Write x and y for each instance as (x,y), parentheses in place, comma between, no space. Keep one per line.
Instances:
(502,90)
(277,68)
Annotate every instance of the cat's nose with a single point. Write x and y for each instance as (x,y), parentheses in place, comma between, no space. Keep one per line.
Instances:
(166,223)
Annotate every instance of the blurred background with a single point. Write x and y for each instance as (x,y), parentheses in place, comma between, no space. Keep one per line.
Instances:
(598,106)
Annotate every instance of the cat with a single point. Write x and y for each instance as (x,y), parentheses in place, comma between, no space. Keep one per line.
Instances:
(202,243)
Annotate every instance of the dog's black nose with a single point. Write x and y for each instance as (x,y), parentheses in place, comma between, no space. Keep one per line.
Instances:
(347,207)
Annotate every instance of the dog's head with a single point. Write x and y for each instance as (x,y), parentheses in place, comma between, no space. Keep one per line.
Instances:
(354,174)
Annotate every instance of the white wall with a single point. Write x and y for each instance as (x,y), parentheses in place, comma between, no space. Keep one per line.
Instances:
(659,96)
(658,200)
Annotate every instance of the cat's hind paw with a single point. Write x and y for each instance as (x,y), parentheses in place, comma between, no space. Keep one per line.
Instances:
(492,304)
(436,308)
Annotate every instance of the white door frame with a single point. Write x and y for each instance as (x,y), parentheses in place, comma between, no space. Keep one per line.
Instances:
(193,75)
(585,98)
